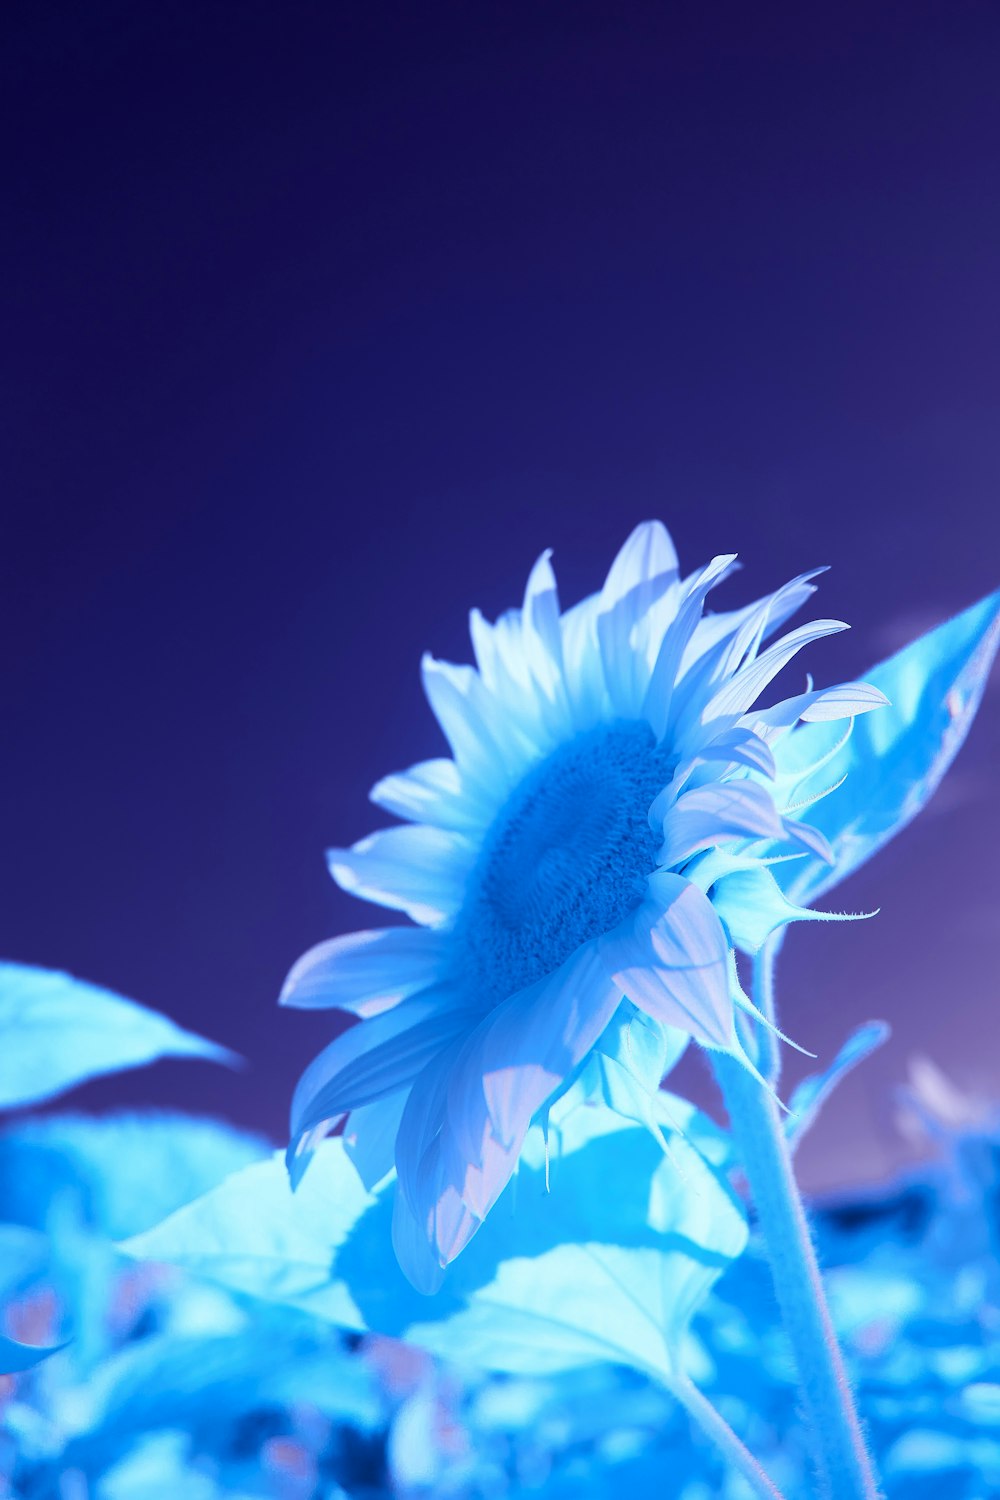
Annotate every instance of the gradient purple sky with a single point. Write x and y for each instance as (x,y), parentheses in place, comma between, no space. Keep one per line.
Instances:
(318,329)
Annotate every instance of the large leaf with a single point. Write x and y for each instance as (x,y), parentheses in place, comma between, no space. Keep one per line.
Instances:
(896,756)
(127,1170)
(57,1031)
(609,1264)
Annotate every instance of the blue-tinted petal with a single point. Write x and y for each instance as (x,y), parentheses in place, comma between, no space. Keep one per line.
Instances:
(760,621)
(370,1137)
(468,718)
(531,1043)
(718,626)
(541,634)
(366,972)
(518,1057)
(736,696)
(659,694)
(374,1058)
(433,792)
(671,959)
(643,571)
(421,871)
(584,675)
(844,701)
(736,747)
(712,814)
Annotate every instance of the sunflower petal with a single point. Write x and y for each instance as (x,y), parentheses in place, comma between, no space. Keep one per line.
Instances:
(712,814)
(374,1059)
(366,972)
(419,870)
(433,792)
(671,960)
(645,568)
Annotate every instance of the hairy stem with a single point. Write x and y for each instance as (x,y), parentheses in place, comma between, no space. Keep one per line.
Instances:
(701,1410)
(840,1452)
(769,1050)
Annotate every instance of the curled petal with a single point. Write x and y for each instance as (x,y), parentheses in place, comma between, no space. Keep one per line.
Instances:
(712,814)
(845,701)
(421,871)
(433,792)
(810,838)
(671,960)
(366,972)
(643,571)
(466,715)
(374,1059)
(733,747)
(717,628)
(736,696)
(659,695)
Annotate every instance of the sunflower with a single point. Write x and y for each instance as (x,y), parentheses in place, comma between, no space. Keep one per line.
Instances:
(585,863)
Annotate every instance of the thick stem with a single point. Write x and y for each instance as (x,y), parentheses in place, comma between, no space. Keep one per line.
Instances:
(701,1410)
(840,1450)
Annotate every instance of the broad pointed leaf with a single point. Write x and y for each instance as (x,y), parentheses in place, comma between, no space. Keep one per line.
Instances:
(57,1031)
(897,755)
(609,1264)
(128,1171)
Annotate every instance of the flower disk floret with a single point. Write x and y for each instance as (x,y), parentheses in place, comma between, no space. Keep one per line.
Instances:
(595,847)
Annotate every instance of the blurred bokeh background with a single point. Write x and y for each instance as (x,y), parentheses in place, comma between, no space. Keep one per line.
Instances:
(322,321)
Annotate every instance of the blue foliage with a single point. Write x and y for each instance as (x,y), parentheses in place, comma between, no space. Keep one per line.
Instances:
(298,1363)
(894,759)
(556,1279)
(128,1171)
(58,1031)
(812,1093)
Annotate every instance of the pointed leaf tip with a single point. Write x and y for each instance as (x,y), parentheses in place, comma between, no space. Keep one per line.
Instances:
(813,1092)
(895,758)
(59,1031)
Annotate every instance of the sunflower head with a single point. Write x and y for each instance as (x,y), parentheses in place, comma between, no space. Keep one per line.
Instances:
(598,843)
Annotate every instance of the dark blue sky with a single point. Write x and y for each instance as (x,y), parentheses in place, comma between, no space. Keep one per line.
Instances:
(320,322)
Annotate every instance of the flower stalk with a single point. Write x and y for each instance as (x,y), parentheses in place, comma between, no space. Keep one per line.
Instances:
(841,1456)
(715,1427)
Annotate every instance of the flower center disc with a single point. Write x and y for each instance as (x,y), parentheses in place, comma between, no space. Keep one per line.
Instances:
(565,861)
